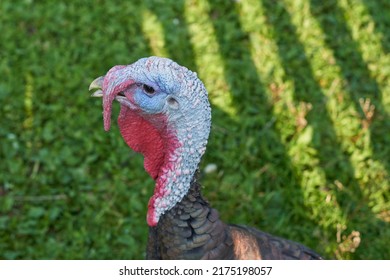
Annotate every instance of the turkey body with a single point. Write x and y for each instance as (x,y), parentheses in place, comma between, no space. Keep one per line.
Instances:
(193,230)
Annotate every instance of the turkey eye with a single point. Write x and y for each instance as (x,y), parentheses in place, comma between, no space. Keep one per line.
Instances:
(148,89)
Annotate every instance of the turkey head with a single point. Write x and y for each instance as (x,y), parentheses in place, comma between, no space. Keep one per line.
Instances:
(165,115)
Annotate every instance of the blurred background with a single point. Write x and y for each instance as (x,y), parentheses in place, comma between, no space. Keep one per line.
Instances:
(300,141)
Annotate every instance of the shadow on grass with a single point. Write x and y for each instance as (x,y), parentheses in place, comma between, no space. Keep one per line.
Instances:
(333,160)
(298,68)
(355,71)
(177,37)
(380,13)
(256,121)
(360,85)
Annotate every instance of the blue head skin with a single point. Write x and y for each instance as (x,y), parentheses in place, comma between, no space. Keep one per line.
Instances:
(154,87)
(163,106)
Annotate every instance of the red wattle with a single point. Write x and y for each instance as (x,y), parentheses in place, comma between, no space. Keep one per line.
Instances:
(141,136)
(155,144)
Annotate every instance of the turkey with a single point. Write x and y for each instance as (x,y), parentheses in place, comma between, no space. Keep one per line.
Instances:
(165,115)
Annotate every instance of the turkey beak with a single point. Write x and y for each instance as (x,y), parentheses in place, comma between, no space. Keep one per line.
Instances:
(97,85)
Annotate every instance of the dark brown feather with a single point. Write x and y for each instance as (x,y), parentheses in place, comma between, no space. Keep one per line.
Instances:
(268,247)
(193,230)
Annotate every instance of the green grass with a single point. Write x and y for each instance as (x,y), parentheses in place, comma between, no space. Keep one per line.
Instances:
(301,126)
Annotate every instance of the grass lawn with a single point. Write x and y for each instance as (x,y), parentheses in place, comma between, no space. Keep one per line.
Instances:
(300,92)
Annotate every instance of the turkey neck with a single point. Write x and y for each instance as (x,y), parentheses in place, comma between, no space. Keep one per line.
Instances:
(190,230)
(183,142)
